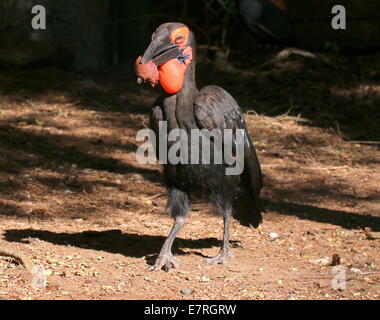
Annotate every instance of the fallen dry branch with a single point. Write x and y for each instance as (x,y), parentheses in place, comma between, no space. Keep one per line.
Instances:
(37,272)
(325,168)
(287,52)
(371,235)
(365,142)
(17,255)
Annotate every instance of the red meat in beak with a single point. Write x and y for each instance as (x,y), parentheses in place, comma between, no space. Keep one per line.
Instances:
(147,72)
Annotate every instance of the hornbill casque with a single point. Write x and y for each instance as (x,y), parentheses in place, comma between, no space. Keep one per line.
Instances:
(170,61)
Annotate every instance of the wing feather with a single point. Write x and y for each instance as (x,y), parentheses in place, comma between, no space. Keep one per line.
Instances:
(215,108)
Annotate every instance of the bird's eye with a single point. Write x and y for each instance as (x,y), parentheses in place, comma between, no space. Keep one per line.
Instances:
(179,39)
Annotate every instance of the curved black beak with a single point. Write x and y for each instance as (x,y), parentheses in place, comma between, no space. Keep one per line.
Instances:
(160,52)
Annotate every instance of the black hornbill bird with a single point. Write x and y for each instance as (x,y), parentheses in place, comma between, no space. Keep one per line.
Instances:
(266,22)
(170,60)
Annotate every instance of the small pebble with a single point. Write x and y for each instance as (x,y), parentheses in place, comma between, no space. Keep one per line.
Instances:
(273,235)
(137,177)
(325,261)
(356,270)
(186,291)
(204,279)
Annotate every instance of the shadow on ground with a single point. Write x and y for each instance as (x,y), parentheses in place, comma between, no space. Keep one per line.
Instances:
(114,241)
(348,220)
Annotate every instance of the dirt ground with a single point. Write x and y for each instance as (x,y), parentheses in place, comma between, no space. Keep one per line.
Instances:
(74,199)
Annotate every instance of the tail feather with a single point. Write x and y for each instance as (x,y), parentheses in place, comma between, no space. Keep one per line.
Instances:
(247,209)
(247,205)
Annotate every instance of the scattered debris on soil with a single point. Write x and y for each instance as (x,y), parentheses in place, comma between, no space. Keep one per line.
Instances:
(74,199)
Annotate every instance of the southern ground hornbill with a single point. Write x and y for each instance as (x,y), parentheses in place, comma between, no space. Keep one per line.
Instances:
(170,61)
(266,22)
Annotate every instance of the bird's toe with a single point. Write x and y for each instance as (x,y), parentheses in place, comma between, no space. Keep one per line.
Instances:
(166,262)
(221,258)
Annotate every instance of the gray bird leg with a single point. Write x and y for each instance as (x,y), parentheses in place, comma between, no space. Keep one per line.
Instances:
(225,251)
(179,208)
(166,259)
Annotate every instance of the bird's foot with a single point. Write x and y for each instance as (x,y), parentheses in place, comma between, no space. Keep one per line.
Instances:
(221,258)
(166,261)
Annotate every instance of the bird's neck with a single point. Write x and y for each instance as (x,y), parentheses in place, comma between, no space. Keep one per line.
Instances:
(182,103)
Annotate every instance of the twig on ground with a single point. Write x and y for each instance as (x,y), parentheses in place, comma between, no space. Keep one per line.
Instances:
(37,272)
(364,142)
(370,234)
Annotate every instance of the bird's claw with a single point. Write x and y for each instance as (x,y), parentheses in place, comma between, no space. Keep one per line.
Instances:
(165,261)
(221,258)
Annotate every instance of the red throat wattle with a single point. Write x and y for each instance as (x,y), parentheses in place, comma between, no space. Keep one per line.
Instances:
(172,72)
